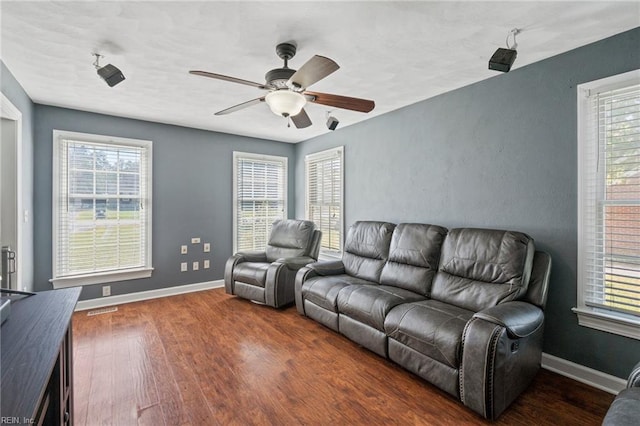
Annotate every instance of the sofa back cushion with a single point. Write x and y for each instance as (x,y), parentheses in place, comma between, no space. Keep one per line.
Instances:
(366,249)
(290,238)
(480,268)
(413,257)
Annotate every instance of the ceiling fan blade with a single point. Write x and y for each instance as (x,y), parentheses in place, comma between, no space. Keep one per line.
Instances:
(301,120)
(240,106)
(314,70)
(227,78)
(344,102)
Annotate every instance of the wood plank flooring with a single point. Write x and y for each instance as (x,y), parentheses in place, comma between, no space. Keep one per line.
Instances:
(207,358)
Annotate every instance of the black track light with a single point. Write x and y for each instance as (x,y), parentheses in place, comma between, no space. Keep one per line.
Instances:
(109,73)
(503,59)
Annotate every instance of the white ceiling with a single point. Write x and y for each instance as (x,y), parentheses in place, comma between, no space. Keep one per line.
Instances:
(396,53)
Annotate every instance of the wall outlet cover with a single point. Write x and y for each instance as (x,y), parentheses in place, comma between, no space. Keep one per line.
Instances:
(184,267)
(206,264)
(207,247)
(196,265)
(106,290)
(183,249)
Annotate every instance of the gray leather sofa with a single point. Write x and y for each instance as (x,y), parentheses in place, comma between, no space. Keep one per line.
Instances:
(463,309)
(268,276)
(625,408)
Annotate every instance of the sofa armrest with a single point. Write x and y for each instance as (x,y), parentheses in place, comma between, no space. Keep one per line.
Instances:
(295,263)
(501,354)
(251,256)
(519,318)
(330,267)
(634,377)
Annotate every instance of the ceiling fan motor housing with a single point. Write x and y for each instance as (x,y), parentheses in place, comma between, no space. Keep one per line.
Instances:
(278,77)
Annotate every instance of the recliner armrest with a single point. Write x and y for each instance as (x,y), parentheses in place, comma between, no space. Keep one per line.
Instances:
(519,318)
(251,256)
(634,377)
(295,263)
(330,267)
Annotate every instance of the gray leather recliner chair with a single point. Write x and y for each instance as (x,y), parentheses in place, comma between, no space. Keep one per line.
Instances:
(268,276)
(625,409)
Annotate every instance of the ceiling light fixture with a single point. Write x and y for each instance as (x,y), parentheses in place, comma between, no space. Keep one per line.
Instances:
(285,103)
(502,59)
(109,73)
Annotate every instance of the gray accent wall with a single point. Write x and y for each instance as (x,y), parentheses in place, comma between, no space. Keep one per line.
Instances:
(19,98)
(192,193)
(501,153)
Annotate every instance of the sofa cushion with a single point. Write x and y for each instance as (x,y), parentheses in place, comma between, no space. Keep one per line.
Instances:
(413,257)
(254,273)
(290,238)
(430,327)
(366,249)
(323,291)
(480,268)
(370,304)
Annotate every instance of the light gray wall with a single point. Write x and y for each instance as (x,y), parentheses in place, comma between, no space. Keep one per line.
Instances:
(500,154)
(192,193)
(19,98)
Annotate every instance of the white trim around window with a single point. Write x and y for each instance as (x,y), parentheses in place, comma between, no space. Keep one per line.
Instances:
(101,209)
(324,198)
(608,285)
(259,198)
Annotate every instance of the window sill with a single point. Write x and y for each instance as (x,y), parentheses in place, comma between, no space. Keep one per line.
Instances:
(101,278)
(623,325)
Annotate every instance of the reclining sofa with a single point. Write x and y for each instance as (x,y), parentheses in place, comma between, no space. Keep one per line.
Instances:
(463,309)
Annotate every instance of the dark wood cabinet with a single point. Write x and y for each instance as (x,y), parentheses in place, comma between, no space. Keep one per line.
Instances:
(37,359)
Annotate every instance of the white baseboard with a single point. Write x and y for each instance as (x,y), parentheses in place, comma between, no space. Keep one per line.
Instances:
(580,373)
(83,305)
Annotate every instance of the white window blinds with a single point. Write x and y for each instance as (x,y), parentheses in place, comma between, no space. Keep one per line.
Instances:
(610,200)
(260,198)
(324,197)
(102,203)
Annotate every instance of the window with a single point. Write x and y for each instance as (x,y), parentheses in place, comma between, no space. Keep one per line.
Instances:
(259,198)
(324,197)
(609,204)
(101,209)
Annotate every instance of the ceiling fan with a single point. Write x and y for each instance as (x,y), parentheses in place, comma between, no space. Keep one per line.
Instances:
(287,88)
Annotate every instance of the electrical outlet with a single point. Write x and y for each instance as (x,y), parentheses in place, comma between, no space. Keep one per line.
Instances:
(106,290)
(183,249)
(184,267)
(195,240)
(196,265)
(206,264)
(207,247)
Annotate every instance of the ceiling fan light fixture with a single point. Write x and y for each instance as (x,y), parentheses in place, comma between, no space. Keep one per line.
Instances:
(285,103)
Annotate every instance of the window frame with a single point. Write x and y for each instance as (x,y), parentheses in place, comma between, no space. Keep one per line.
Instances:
(326,254)
(103,276)
(615,322)
(264,157)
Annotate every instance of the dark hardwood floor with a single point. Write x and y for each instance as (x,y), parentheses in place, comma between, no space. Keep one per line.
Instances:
(207,358)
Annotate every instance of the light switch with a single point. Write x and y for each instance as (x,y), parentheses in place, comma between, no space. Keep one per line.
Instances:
(207,247)
(195,240)
(183,249)
(205,264)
